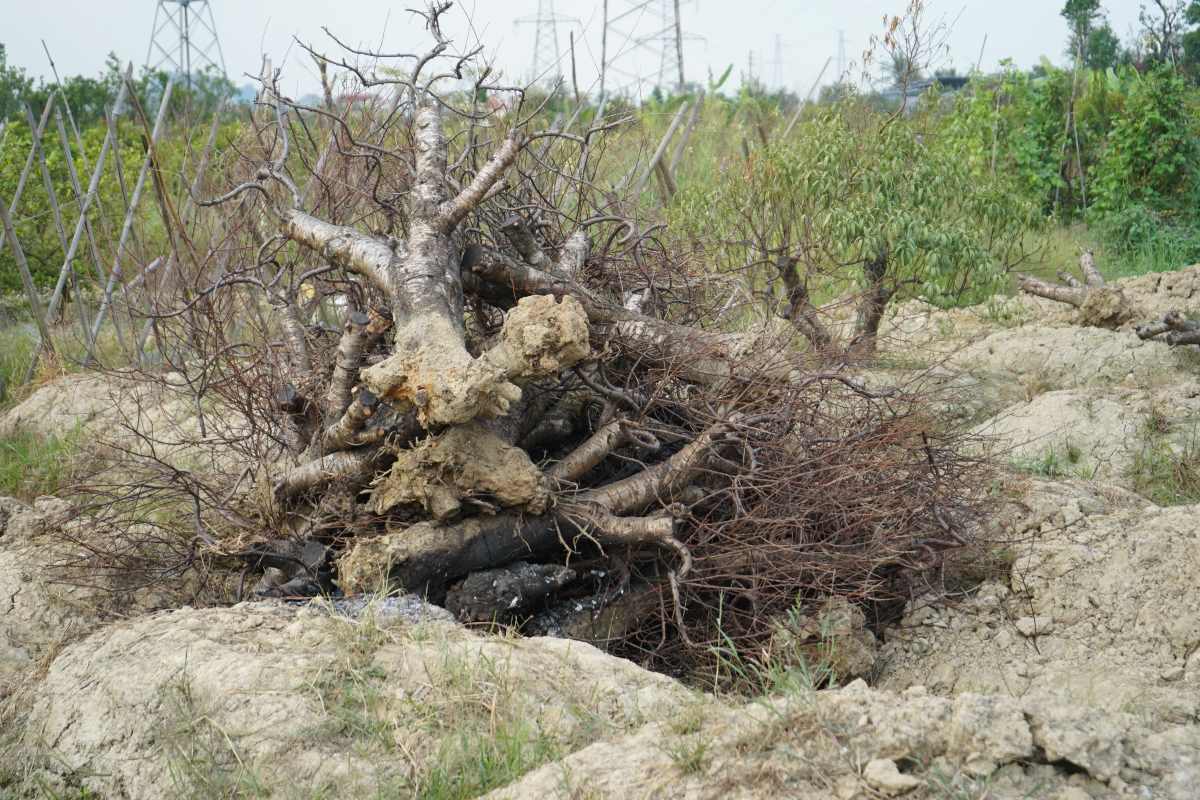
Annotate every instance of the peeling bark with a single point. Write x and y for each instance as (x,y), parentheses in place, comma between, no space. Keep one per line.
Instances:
(346,362)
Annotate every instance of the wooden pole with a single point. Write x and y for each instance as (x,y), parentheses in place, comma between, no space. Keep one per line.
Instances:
(662,148)
(796,117)
(56,211)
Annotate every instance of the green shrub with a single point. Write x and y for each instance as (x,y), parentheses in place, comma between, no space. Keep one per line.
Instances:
(1150,154)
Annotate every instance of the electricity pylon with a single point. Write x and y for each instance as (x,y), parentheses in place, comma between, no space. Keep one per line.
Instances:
(649,28)
(184,39)
(547,57)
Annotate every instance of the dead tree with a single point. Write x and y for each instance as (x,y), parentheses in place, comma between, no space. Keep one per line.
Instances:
(412,316)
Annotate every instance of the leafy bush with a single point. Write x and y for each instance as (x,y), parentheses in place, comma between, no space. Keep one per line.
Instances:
(1151,151)
(853,183)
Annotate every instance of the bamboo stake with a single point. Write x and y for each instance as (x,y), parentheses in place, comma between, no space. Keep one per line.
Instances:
(93,187)
(114,274)
(35,305)
(796,117)
(185,219)
(56,210)
(74,179)
(37,137)
(662,148)
(693,117)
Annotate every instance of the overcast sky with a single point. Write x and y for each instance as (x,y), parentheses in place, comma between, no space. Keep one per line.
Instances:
(79,33)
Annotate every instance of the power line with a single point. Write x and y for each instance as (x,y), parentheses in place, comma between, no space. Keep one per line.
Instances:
(184,39)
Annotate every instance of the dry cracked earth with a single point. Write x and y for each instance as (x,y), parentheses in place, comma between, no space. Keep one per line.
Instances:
(1067,666)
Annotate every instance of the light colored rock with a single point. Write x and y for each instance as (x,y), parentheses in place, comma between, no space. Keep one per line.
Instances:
(884,775)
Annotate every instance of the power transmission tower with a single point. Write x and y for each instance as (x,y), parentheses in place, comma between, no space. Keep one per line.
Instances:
(547,57)
(648,30)
(841,58)
(777,63)
(184,39)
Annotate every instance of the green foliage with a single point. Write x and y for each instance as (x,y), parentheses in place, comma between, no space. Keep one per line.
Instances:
(14,85)
(1141,240)
(850,184)
(1152,148)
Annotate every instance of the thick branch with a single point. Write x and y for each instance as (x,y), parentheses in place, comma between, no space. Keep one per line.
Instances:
(1072,295)
(456,210)
(1087,266)
(1179,329)
(701,356)
(871,306)
(354,467)
(521,238)
(660,482)
(800,311)
(343,434)
(363,255)
(597,447)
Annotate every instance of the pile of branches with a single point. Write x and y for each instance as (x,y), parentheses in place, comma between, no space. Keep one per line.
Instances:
(435,351)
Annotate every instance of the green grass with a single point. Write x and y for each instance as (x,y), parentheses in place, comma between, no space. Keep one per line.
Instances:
(1167,475)
(32,466)
(1055,463)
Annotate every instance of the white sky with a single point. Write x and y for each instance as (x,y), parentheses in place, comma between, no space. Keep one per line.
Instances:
(79,33)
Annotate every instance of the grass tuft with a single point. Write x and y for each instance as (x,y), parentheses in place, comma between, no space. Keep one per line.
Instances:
(32,466)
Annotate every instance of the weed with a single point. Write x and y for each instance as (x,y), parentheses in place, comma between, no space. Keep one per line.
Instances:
(689,754)
(202,758)
(1166,474)
(1036,382)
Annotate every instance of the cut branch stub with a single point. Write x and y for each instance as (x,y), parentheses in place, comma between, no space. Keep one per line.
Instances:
(432,371)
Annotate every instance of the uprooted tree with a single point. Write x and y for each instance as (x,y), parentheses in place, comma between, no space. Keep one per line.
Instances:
(409,323)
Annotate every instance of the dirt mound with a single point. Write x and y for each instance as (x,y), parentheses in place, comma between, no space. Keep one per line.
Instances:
(860,743)
(50,592)
(1098,610)
(311,703)
(1041,358)
(108,410)
(37,615)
